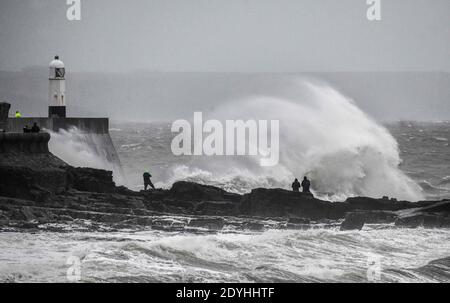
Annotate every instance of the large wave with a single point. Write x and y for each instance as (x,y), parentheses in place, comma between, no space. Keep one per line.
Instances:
(323,135)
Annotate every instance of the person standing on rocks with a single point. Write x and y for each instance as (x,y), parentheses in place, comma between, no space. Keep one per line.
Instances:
(296,185)
(306,184)
(147,181)
(35,128)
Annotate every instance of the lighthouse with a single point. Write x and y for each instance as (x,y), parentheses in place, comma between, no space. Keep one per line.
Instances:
(57,89)
(92,131)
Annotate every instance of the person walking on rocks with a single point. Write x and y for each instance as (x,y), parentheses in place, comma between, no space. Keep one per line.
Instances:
(147,181)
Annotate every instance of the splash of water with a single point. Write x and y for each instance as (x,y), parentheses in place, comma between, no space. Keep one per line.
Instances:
(323,135)
(85,150)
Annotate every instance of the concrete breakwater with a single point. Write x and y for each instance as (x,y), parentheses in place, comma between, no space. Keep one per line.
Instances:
(4,110)
(92,132)
(26,143)
(85,125)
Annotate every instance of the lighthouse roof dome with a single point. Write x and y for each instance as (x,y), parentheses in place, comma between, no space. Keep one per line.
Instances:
(56,63)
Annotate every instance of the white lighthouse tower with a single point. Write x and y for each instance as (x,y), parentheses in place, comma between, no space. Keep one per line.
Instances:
(57,89)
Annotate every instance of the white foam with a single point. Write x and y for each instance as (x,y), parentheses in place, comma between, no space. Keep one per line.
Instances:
(84,150)
(323,135)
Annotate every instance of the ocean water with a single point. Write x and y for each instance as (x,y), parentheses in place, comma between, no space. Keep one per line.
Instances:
(425,153)
(375,254)
(325,136)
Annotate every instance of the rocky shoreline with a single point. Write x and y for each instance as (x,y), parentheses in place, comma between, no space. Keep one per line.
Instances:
(37,188)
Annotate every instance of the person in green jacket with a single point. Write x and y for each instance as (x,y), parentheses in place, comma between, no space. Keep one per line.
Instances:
(18,114)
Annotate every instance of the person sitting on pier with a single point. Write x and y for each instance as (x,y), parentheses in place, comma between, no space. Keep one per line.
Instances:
(147,181)
(35,128)
(26,130)
(296,185)
(306,185)
(18,114)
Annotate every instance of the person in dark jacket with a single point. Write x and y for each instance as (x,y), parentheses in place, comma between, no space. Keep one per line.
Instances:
(306,184)
(296,185)
(147,181)
(35,128)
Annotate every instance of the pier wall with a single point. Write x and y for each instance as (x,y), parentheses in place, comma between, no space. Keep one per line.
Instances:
(26,143)
(85,125)
(4,110)
(90,133)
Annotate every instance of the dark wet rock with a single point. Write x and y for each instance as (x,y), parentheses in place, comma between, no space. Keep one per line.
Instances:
(27,225)
(122,190)
(437,270)
(377,216)
(434,215)
(353,221)
(156,206)
(298,226)
(153,195)
(91,180)
(144,221)
(179,206)
(437,207)
(299,221)
(209,223)
(373,216)
(217,208)
(197,192)
(284,203)
(168,225)
(424,220)
(162,222)
(28,213)
(255,226)
(324,221)
(30,184)
(365,203)
(65,218)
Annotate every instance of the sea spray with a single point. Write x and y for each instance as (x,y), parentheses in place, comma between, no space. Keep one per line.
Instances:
(323,135)
(81,149)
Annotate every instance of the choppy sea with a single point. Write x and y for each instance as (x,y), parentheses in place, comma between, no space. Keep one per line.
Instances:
(377,253)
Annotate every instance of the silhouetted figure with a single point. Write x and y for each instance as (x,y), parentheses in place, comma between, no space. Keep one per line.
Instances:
(306,184)
(296,185)
(147,181)
(26,130)
(35,128)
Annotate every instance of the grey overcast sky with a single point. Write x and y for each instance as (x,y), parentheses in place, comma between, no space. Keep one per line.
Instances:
(227,35)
